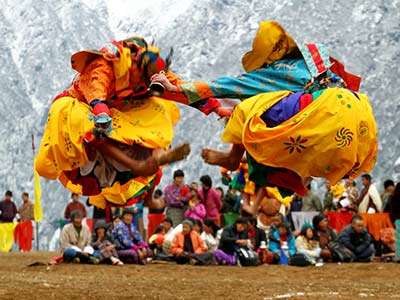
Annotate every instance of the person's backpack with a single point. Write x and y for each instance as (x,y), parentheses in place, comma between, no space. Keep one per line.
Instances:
(299,260)
(246,257)
(339,253)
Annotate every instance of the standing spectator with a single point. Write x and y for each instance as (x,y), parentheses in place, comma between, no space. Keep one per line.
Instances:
(324,234)
(177,196)
(369,200)
(220,192)
(75,241)
(196,210)
(25,211)
(357,240)
(74,205)
(194,185)
(295,205)
(232,237)
(311,201)
(129,243)
(8,210)
(307,245)
(393,208)
(389,187)
(229,201)
(210,198)
(352,194)
(328,198)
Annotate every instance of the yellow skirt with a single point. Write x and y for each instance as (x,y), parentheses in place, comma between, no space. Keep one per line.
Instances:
(148,123)
(334,136)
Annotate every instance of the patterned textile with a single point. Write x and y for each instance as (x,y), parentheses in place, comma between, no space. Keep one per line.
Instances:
(62,153)
(126,236)
(346,123)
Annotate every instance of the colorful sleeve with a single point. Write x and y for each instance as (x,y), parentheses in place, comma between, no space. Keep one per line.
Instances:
(291,74)
(96,80)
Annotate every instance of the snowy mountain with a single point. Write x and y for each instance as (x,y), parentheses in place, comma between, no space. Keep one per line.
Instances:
(209,39)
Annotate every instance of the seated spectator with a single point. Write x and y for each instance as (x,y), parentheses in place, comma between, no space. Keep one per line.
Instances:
(75,241)
(211,234)
(197,225)
(277,221)
(129,243)
(232,237)
(156,240)
(357,241)
(196,210)
(324,234)
(305,244)
(386,247)
(279,237)
(168,225)
(256,235)
(188,247)
(104,249)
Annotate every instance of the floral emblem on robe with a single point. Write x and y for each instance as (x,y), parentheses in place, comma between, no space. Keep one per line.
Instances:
(295,144)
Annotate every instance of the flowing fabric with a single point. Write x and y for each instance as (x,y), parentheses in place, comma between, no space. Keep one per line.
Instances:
(147,123)
(23,235)
(7,236)
(333,136)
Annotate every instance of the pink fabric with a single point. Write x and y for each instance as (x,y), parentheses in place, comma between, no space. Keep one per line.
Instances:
(212,203)
(198,212)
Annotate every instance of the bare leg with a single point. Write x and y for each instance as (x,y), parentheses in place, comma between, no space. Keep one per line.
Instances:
(144,167)
(138,167)
(171,155)
(228,160)
(253,209)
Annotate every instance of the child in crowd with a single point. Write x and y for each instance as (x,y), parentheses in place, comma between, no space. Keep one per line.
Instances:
(279,237)
(196,210)
(103,245)
(157,239)
(305,244)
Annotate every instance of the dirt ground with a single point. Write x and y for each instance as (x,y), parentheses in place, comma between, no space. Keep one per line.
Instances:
(170,281)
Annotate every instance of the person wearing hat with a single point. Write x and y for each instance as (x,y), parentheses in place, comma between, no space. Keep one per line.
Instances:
(297,88)
(130,246)
(177,196)
(75,241)
(103,245)
(90,136)
(188,247)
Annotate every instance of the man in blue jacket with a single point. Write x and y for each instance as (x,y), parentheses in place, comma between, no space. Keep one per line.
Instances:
(357,240)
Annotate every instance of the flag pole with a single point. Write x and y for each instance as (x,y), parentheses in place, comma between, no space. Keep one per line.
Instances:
(36,222)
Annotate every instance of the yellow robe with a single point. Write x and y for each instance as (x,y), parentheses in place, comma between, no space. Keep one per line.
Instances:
(148,123)
(333,136)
